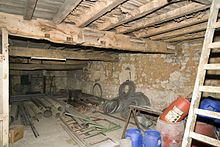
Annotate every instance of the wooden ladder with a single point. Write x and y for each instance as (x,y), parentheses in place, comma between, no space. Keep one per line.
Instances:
(200,82)
(4,89)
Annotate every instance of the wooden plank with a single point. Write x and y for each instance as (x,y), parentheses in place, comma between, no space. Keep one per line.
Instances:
(212,66)
(205,2)
(60,54)
(214,45)
(32,61)
(29,9)
(207,113)
(211,89)
(70,34)
(100,8)
(135,14)
(4,87)
(179,12)
(171,26)
(45,67)
(187,30)
(193,36)
(65,9)
(205,139)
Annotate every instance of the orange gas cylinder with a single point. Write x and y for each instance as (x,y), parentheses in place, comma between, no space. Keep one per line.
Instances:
(177,110)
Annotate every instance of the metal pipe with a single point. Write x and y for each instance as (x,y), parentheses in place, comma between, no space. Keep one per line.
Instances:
(13,112)
(56,104)
(46,111)
(36,110)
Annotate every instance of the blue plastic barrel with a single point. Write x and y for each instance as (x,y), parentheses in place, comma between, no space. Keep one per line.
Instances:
(152,138)
(135,136)
(211,105)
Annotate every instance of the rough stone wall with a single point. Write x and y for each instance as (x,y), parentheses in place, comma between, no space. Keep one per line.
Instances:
(160,77)
(36,81)
(74,80)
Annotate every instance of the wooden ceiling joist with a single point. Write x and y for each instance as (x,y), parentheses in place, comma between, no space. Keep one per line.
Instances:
(29,9)
(45,67)
(187,30)
(171,26)
(205,2)
(65,9)
(176,13)
(100,8)
(187,37)
(70,34)
(135,14)
(60,54)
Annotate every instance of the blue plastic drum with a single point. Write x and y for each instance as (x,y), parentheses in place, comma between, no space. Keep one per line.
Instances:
(152,138)
(211,105)
(135,136)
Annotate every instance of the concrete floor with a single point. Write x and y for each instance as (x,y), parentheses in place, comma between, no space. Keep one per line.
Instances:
(53,135)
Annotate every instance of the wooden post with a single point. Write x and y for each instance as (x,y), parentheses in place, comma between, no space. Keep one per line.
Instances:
(4,89)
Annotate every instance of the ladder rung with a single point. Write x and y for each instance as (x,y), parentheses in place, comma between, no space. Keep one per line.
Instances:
(214,45)
(207,113)
(205,139)
(212,89)
(212,66)
(216,25)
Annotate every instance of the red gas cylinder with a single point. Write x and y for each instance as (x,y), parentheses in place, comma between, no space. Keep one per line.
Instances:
(177,110)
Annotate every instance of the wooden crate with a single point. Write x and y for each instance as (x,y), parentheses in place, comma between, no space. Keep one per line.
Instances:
(16,133)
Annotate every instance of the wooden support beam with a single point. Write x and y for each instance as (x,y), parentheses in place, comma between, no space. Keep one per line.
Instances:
(70,34)
(95,12)
(205,2)
(187,37)
(60,54)
(192,29)
(45,67)
(179,12)
(171,26)
(65,9)
(33,61)
(29,9)
(135,14)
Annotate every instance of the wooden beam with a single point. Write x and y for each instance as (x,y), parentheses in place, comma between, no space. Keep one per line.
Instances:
(205,2)
(29,9)
(45,67)
(179,12)
(70,34)
(32,61)
(171,26)
(187,37)
(135,14)
(95,12)
(192,29)
(60,54)
(65,9)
